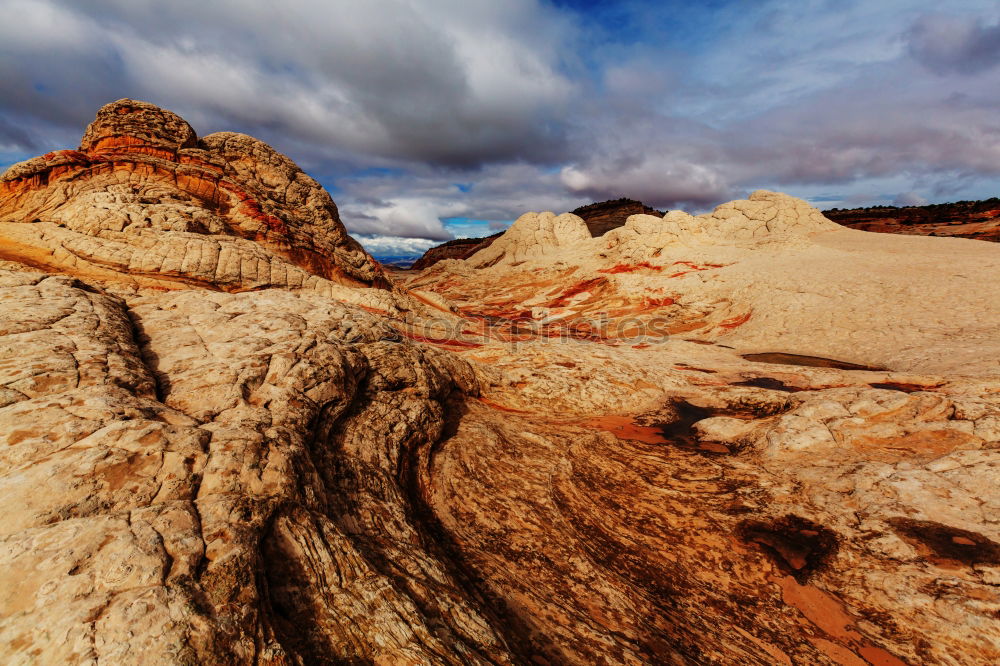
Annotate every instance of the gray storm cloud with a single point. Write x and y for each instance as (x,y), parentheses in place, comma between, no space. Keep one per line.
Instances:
(529,105)
(948,44)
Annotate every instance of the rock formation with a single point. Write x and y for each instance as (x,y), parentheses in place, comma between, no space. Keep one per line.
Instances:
(562,450)
(143,196)
(460,248)
(979,220)
(604,216)
(599,218)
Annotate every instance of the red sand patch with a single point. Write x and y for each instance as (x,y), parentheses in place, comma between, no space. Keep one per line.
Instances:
(578,288)
(693,267)
(828,614)
(624,427)
(734,322)
(630,268)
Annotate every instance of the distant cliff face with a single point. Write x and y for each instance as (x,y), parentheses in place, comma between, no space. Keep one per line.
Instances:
(460,248)
(979,220)
(607,215)
(600,218)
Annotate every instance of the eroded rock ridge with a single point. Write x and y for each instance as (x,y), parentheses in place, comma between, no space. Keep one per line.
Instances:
(226,437)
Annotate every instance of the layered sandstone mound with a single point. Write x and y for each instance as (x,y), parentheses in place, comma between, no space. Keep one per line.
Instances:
(533,236)
(765,274)
(600,218)
(764,216)
(143,196)
(289,475)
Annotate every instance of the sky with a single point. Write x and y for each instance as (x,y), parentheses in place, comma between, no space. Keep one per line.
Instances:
(435,119)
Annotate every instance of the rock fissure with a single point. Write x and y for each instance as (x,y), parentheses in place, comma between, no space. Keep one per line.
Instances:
(227,436)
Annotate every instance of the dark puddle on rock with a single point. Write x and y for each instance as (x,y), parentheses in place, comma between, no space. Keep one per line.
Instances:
(807,361)
(798,546)
(679,431)
(905,388)
(769,383)
(941,542)
(685,366)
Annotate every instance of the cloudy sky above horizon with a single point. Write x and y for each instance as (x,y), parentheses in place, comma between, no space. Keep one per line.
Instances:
(433,119)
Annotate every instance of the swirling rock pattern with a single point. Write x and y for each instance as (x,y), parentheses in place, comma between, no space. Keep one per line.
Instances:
(276,461)
(145,197)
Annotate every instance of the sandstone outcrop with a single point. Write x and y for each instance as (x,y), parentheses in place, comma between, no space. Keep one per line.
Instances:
(533,236)
(563,450)
(460,248)
(603,216)
(599,217)
(144,197)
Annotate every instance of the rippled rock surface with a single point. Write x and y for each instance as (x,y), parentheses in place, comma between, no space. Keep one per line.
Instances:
(229,438)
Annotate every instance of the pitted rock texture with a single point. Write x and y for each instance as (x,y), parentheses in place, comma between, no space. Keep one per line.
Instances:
(574,453)
(144,196)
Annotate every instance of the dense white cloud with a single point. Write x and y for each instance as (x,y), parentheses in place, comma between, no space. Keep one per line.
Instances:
(414,217)
(395,246)
(655,180)
(414,111)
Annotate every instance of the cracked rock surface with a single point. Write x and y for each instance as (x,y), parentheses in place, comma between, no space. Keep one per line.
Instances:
(228,437)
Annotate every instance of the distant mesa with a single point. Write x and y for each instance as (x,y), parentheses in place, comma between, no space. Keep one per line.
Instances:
(978,220)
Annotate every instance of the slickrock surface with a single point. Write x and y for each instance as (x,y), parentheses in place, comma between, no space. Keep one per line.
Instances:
(564,450)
